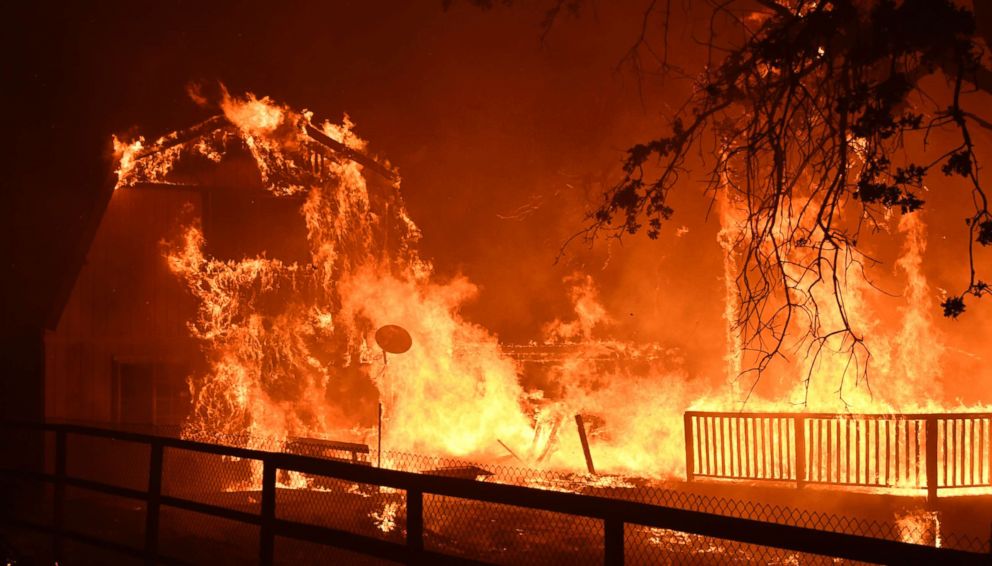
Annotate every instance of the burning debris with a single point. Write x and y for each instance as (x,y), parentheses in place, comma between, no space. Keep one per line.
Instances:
(385,519)
(919,526)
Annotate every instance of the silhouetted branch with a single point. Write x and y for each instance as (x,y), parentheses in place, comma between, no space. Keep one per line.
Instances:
(809,113)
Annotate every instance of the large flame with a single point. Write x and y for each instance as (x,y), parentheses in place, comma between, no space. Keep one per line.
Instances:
(289,347)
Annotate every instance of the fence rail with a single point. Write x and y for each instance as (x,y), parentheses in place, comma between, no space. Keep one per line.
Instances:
(916,451)
(613,514)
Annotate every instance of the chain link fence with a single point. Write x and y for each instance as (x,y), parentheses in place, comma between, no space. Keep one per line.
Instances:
(478,530)
(509,535)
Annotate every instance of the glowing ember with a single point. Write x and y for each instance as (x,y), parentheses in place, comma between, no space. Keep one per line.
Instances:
(919,526)
(385,520)
(125,154)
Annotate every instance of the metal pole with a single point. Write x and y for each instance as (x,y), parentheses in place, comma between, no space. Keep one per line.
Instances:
(613,542)
(154,503)
(385,363)
(266,545)
(58,514)
(512,453)
(414,524)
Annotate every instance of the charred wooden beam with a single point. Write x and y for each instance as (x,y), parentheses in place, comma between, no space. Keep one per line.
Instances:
(345,151)
(585,444)
(180,137)
(221,122)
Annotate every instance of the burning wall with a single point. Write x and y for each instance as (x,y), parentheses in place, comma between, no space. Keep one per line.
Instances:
(287,343)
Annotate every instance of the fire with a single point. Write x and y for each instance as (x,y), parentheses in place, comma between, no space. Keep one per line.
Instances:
(281,338)
(588,310)
(437,399)
(919,527)
(252,115)
(289,344)
(385,520)
(886,370)
(344,133)
(125,154)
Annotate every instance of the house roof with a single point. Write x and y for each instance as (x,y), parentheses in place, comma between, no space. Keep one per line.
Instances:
(211,126)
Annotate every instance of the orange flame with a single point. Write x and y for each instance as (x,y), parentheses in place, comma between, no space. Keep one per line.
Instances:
(288,343)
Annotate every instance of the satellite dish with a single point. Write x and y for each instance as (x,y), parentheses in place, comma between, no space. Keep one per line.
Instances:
(393,339)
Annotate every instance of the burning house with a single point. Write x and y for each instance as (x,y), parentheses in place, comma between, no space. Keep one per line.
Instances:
(209,215)
(242,266)
(276,248)
(255,314)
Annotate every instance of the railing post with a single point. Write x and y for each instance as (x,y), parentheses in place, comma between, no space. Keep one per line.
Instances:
(152,505)
(799,426)
(931,456)
(613,542)
(266,532)
(414,525)
(690,448)
(58,500)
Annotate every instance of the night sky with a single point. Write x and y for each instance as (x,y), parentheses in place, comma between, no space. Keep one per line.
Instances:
(503,139)
(484,120)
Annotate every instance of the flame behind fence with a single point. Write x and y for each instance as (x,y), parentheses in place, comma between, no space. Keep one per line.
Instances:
(914,451)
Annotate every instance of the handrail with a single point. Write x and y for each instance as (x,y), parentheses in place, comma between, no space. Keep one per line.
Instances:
(613,512)
(840,416)
(807,448)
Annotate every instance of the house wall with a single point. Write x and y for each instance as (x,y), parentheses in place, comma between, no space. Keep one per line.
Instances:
(125,305)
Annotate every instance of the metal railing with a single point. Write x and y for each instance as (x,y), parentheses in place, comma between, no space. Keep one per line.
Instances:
(916,451)
(612,514)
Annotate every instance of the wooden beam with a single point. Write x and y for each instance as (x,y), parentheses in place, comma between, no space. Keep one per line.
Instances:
(585,444)
(339,148)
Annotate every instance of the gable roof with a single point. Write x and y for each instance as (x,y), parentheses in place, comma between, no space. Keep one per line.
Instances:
(213,125)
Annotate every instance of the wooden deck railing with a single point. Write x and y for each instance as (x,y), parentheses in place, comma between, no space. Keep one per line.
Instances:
(916,451)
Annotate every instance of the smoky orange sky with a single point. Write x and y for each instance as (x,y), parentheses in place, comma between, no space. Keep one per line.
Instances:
(503,141)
